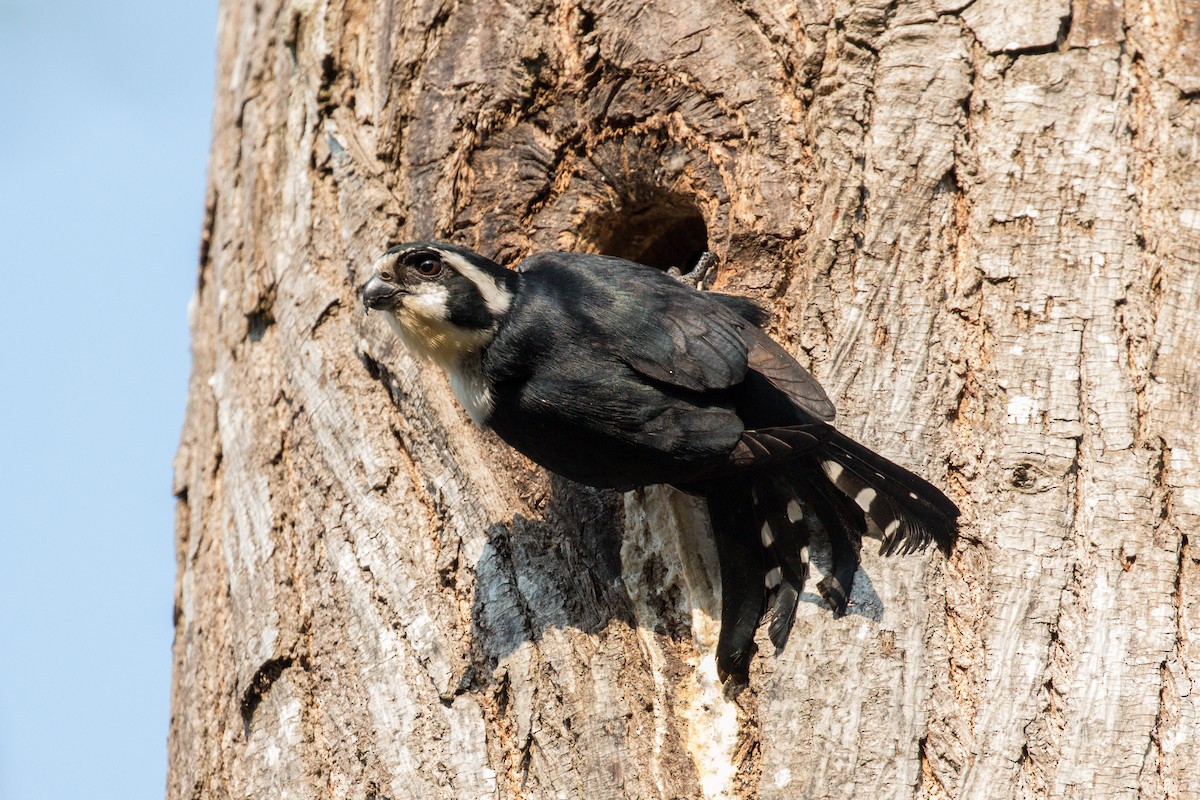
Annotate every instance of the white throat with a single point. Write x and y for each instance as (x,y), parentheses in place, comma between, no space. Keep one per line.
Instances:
(471,389)
(454,350)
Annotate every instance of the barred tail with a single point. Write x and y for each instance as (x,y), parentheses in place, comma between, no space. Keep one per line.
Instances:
(762,549)
(784,535)
(762,536)
(908,511)
(843,485)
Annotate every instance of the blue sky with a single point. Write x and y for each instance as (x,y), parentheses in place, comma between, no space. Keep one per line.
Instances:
(106,124)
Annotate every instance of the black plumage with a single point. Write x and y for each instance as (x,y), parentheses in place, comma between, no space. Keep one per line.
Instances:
(617,375)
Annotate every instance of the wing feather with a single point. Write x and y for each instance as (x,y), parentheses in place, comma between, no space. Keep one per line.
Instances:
(766,357)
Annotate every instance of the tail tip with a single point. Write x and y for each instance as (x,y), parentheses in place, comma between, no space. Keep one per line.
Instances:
(784,617)
(733,668)
(835,594)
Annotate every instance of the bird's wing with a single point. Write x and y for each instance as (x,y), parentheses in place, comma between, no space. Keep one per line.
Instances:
(767,358)
(676,335)
(682,348)
(662,329)
(692,341)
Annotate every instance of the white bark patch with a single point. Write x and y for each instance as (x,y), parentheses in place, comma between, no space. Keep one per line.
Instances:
(272,751)
(468,742)
(673,528)
(1021,409)
(1002,25)
(713,728)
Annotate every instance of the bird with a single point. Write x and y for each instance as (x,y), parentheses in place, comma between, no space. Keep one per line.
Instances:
(619,375)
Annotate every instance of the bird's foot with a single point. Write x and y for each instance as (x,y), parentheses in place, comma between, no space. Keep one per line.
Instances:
(702,275)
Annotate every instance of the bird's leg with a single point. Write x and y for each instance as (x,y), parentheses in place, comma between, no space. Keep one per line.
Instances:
(701,275)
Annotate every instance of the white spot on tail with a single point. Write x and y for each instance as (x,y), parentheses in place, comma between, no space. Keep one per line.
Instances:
(774,577)
(794,512)
(804,554)
(833,470)
(891,528)
(767,535)
(864,498)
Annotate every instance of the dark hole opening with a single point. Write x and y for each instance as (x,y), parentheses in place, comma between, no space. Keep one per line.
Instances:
(257,323)
(661,235)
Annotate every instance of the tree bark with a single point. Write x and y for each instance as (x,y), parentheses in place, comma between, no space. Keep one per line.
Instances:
(978,223)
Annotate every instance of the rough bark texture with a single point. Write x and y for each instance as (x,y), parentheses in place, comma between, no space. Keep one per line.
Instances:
(977,221)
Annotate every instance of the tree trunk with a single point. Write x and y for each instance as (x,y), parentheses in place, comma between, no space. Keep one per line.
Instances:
(978,222)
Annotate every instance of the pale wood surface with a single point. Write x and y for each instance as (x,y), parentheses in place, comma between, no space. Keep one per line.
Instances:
(979,224)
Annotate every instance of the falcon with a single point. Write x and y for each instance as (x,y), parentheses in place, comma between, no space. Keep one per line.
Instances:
(618,375)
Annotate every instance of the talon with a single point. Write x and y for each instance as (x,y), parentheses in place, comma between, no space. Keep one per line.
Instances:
(700,276)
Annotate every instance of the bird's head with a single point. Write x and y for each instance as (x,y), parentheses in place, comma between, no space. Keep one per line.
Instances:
(443,301)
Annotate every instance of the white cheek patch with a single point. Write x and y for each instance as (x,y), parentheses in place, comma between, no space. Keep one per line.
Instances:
(429,300)
(423,329)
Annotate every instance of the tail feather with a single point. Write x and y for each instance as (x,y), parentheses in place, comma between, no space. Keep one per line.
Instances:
(784,614)
(762,535)
(844,523)
(743,593)
(908,511)
(784,538)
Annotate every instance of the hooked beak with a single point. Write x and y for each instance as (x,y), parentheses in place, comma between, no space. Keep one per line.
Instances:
(378,293)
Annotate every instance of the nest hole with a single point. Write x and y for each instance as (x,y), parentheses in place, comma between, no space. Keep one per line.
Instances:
(661,235)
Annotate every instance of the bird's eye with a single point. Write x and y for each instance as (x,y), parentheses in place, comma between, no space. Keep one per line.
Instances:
(429,267)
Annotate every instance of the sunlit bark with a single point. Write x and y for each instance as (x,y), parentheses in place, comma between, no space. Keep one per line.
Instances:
(978,223)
